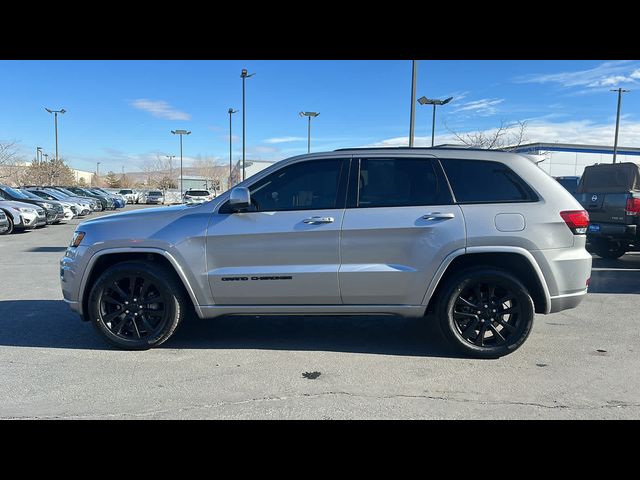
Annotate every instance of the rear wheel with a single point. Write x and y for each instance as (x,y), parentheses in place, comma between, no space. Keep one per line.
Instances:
(608,249)
(485,312)
(136,305)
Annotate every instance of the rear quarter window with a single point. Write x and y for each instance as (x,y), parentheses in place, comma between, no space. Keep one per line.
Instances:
(482,181)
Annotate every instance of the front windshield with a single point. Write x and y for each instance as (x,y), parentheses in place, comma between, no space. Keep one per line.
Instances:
(15,193)
(69,193)
(55,194)
(30,195)
(155,193)
(125,192)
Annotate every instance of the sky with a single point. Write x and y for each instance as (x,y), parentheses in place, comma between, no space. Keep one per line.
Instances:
(121,113)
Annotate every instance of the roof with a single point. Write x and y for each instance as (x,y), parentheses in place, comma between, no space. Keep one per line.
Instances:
(412,149)
(573,147)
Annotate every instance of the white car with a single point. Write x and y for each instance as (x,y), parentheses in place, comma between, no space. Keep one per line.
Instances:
(197,196)
(130,196)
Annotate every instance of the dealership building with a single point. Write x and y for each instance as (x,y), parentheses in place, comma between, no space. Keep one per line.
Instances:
(565,159)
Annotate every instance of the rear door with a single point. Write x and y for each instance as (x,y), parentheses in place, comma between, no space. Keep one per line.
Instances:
(399,225)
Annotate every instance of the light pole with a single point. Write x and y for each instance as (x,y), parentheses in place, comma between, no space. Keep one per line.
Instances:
(310,115)
(615,143)
(412,121)
(231,112)
(244,75)
(38,153)
(55,116)
(429,101)
(181,133)
(97,171)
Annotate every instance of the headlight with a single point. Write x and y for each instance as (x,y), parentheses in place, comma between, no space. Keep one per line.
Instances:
(77,238)
(47,205)
(24,209)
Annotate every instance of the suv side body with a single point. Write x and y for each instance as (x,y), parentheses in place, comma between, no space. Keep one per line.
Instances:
(357,252)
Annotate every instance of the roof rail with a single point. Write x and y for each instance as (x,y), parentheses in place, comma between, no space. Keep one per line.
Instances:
(437,147)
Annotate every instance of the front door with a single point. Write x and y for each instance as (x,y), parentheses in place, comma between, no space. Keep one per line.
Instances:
(399,225)
(286,250)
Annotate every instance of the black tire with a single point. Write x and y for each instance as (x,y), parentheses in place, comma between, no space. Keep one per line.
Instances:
(458,306)
(158,320)
(10,226)
(608,249)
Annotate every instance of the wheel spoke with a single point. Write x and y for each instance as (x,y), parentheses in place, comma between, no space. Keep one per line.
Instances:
(478,293)
(497,333)
(467,303)
(508,311)
(492,291)
(119,291)
(146,324)
(480,338)
(132,286)
(465,314)
(144,287)
(110,300)
(110,316)
(119,326)
(151,299)
(135,326)
(471,327)
(506,325)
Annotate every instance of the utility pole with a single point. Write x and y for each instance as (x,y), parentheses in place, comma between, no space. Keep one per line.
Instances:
(615,142)
(412,121)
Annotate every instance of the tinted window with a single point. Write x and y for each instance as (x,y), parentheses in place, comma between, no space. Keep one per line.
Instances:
(311,185)
(155,193)
(198,193)
(570,184)
(476,181)
(397,182)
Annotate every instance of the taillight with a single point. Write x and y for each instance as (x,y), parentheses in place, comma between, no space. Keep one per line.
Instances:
(576,220)
(633,206)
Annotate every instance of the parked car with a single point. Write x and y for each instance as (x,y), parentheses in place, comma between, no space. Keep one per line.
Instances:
(53,213)
(23,216)
(478,240)
(79,206)
(96,204)
(105,200)
(154,196)
(4,223)
(570,183)
(63,213)
(197,196)
(611,195)
(132,196)
(118,200)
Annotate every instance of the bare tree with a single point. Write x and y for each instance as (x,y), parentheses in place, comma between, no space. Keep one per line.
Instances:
(216,176)
(9,160)
(505,136)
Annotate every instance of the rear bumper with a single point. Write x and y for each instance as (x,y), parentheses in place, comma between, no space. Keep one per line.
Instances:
(614,231)
(565,302)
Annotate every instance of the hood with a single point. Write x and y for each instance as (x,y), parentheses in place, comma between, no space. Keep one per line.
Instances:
(139,215)
(16,204)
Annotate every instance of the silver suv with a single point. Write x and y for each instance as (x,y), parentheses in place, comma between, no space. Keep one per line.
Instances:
(478,240)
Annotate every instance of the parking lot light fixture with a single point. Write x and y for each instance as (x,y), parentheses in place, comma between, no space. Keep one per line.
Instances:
(429,101)
(38,153)
(244,75)
(181,133)
(615,141)
(55,116)
(309,115)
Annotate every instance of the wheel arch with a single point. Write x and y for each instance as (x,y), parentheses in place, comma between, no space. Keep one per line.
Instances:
(515,260)
(106,258)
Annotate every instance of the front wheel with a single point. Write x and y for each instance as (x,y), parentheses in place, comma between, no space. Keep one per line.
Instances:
(137,305)
(485,312)
(10,230)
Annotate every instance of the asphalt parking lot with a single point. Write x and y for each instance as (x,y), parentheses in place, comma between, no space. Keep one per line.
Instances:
(578,364)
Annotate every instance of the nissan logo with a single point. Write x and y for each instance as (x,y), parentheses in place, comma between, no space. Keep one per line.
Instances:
(594,198)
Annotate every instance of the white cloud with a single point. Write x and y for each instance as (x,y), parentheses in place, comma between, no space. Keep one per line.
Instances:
(575,131)
(285,139)
(485,106)
(160,108)
(604,75)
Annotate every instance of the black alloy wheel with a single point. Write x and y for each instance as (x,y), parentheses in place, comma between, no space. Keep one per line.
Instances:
(486,312)
(137,305)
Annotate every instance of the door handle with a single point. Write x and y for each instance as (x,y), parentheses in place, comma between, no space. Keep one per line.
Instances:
(318,220)
(437,215)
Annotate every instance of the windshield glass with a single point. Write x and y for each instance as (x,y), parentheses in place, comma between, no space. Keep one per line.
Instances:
(55,194)
(155,193)
(65,191)
(30,195)
(15,193)
(198,193)
(125,192)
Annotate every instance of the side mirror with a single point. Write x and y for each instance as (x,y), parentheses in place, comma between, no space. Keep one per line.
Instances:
(239,198)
